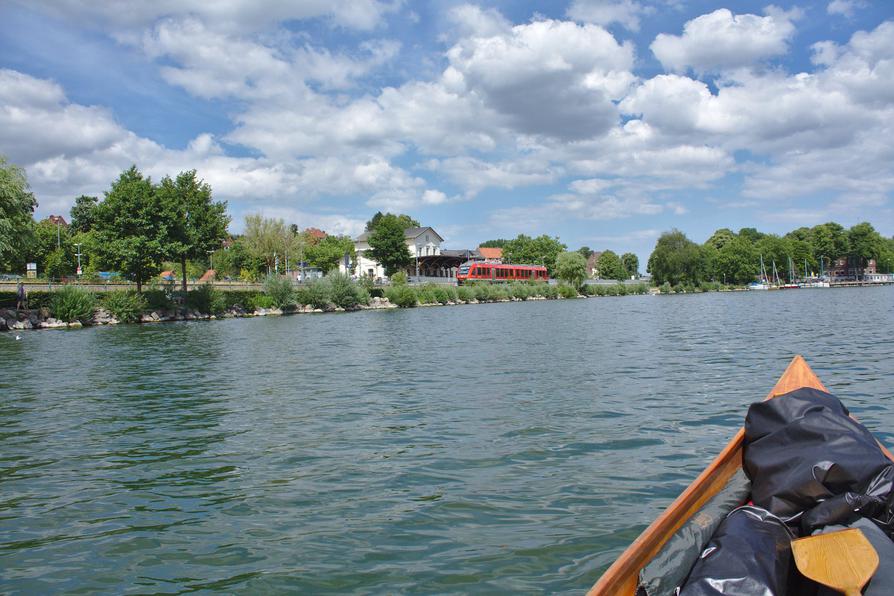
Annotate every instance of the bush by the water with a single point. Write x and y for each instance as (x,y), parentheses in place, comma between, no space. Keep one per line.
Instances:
(259,301)
(73,303)
(315,294)
(206,299)
(125,305)
(566,291)
(280,289)
(158,300)
(401,295)
(465,293)
(343,292)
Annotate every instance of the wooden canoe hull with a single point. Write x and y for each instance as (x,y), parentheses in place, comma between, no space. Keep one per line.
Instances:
(621,578)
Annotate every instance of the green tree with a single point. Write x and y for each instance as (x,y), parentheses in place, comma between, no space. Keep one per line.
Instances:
(498,243)
(132,227)
(750,234)
(585,252)
(405,220)
(775,251)
(737,262)
(829,241)
(676,259)
(631,264)
(864,243)
(610,266)
(83,213)
(269,240)
(719,238)
(886,256)
(329,252)
(388,245)
(16,209)
(571,267)
(199,223)
(541,250)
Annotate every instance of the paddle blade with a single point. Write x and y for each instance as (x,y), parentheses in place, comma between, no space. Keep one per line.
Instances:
(842,560)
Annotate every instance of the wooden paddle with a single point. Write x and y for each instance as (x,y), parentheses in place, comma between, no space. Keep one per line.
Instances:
(843,560)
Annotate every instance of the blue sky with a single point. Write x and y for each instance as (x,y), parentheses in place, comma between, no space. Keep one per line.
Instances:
(603,122)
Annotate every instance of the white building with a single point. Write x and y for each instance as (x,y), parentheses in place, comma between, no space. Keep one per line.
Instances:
(422,242)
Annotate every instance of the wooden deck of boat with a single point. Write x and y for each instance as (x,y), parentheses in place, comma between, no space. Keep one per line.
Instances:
(621,578)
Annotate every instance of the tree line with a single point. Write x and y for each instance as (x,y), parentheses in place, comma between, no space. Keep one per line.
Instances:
(140,228)
(734,257)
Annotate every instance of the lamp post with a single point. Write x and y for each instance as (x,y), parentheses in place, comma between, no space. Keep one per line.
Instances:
(211,258)
(78,244)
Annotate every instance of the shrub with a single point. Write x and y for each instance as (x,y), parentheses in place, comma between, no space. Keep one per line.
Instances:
(499,293)
(520,290)
(399,279)
(666,288)
(342,291)
(125,305)
(72,303)
(482,292)
(206,299)
(550,291)
(280,289)
(158,300)
(362,295)
(566,291)
(465,293)
(401,295)
(315,294)
(622,289)
(259,301)
(641,289)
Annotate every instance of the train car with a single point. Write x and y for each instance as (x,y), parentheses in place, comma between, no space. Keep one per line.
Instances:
(497,272)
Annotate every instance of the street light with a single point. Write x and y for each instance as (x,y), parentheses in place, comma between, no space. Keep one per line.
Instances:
(78,244)
(211,257)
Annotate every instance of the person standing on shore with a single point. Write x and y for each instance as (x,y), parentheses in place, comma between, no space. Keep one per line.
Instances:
(21,297)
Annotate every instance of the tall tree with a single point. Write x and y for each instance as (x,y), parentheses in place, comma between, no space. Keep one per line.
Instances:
(719,238)
(16,208)
(82,213)
(541,250)
(736,262)
(631,264)
(829,241)
(865,244)
(676,259)
(405,220)
(750,234)
(571,267)
(269,240)
(610,266)
(328,252)
(199,224)
(388,245)
(496,243)
(585,252)
(132,226)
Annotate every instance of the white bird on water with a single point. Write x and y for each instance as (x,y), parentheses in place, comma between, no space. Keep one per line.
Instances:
(18,337)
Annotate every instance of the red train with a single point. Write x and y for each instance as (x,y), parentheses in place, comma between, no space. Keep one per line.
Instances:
(497,272)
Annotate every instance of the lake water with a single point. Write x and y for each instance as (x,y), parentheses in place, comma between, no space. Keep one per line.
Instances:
(480,448)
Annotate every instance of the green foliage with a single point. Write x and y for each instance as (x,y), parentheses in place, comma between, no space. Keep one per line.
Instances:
(83,214)
(610,266)
(497,243)
(342,291)
(465,293)
(399,279)
(315,293)
(329,252)
(259,301)
(158,299)
(270,241)
(36,299)
(571,267)
(280,289)
(666,288)
(132,227)
(388,245)
(206,299)
(401,295)
(534,251)
(125,305)
(631,264)
(585,252)
(549,291)
(59,263)
(404,220)
(676,259)
(16,207)
(521,290)
(566,291)
(363,296)
(737,261)
(73,303)
(864,243)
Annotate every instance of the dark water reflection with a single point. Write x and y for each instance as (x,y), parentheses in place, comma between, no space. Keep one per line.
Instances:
(469,449)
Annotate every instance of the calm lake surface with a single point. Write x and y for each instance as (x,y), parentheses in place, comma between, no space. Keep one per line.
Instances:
(481,448)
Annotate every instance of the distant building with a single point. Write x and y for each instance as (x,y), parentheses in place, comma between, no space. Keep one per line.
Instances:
(848,268)
(493,255)
(315,234)
(57,220)
(421,242)
(208,276)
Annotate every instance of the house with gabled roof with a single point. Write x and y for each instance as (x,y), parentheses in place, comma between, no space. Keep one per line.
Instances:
(424,243)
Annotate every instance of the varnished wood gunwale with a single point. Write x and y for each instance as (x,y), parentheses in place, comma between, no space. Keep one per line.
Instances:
(621,578)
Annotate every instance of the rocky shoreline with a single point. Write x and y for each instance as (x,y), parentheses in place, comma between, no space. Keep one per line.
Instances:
(40,318)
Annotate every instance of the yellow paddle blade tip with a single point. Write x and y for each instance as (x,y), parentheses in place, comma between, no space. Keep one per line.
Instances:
(842,560)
